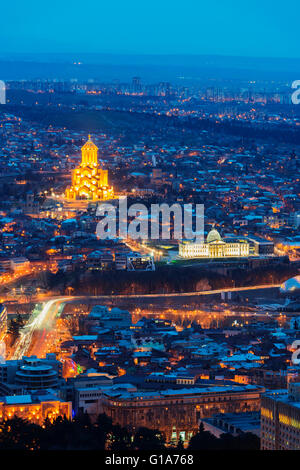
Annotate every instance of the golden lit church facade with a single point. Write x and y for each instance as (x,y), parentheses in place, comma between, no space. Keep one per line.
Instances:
(214,247)
(89,180)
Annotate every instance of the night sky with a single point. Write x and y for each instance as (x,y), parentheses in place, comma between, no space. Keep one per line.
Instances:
(233,27)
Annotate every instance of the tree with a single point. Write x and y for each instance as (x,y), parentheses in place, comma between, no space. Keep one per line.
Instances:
(78,434)
(17,433)
(180,445)
(148,439)
(203,440)
(120,439)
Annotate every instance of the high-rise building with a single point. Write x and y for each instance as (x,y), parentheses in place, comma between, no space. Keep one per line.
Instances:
(280,419)
(3,321)
(136,85)
(89,181)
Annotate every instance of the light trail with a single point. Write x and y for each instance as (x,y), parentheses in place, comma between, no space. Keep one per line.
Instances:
(183,294)
(172,294)
(43,320)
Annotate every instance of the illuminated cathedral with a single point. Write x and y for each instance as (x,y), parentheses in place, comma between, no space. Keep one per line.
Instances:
(89,181)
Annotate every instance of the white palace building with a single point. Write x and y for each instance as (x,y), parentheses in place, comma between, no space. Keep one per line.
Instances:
(214,247)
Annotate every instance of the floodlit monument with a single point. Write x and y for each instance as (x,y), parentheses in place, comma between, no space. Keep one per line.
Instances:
(89,180)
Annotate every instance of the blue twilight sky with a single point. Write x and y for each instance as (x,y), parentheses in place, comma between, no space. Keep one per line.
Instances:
(225,27)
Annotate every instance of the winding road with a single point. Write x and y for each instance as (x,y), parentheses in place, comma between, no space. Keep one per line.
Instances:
(32,335)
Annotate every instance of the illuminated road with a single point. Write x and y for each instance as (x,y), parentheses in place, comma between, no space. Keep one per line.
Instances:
(39,331)
(184,294)
(31,336)
(161,295)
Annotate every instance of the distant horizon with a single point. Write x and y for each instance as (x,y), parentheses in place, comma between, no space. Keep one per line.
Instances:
(150,54)
(150,67)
